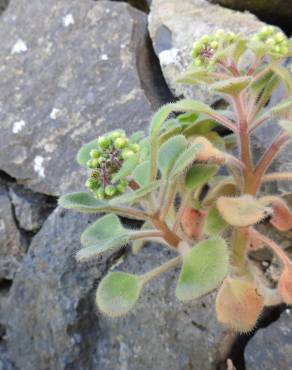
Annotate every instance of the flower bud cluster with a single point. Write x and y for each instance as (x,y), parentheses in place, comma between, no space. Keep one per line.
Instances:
(204,49)
(113,149)
(276,40)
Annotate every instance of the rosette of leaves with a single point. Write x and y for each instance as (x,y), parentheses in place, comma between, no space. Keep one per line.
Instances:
(191,192)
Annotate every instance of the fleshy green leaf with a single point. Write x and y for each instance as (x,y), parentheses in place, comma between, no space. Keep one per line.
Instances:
(134,196)
(141,173)
(185,159)
(286,125)
(285,76)
(239,49)
(104,228)
(189,105)
(102,246)
(200,127)
(232,86)
(204,268)
(282,107)
(214,223)
(199,175)
(196,76)
(83,202)
(117,293)
(158,119)
(127,168)
(169,152)
(137,136)
(83,153)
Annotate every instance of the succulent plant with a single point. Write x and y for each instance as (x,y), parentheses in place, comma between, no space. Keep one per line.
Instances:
(191,192)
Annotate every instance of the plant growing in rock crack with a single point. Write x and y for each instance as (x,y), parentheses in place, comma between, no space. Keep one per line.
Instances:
(189,189)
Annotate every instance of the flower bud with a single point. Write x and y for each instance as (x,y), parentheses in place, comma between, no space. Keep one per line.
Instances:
(271,41)
(110,190)
(103,142)
(220,34)
(94,153)
(135,147)
(120,142)
(127,153)
(197,47)
(116,134)
(100,194)
(279,37)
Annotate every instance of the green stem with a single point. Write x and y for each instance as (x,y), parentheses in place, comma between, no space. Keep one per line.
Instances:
(161,269)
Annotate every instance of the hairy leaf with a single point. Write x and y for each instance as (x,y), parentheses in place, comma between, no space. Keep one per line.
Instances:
(169,152)
(204,267)
(282,107)
(225,187)
(141,173)
(199,174)
(200,127)
(242,211)
(134,196)
(238,305)
(117,293)
(214,223)
(196,76)
(232,86)
(285,76)
(185,159)
(104,228)
(83,202)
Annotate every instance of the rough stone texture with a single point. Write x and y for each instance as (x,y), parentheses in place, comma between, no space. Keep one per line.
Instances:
(11,247)
(271,347)
(174,26)
(52,301)
(67,75)
(31,209)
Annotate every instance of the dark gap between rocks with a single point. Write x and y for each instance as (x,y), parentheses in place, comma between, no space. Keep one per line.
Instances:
(236,353)
(137,4)
(5,285)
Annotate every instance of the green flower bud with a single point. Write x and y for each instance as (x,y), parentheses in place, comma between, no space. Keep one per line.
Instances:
(100,194)
(214,44)
(124,182)
(120,188)
(220,34)
(91,183)
(279,37)
(256,38)
(110,190)
(230,36)
(116,134)
(205,39)
(104,142)
(94,162)
(101,160)
(271,41)
(265,32)
(198,62)
(135,147)
(120,142)
(94,153)
(127,153)
(197,47)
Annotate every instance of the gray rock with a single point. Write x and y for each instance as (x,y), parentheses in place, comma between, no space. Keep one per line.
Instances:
(31,209)
(52,302)
(270,348)
(12,249)
(175,25)
(67,75)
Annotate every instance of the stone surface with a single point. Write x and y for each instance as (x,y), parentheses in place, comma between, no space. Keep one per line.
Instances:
(67,75)
(271,347)
(175,25)
(52,302)
(11,247)
(31,209)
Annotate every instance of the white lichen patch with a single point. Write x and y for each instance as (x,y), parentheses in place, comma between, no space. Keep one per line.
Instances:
(18,126)
(68,20)
(104,57)
(19,47)
(168,56)
(55,113)
(38,165)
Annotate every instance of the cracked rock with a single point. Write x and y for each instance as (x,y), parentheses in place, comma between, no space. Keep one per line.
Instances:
(12,249)
(67,76)
(52,301)
(174,26)
(270,348)
(31,209)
